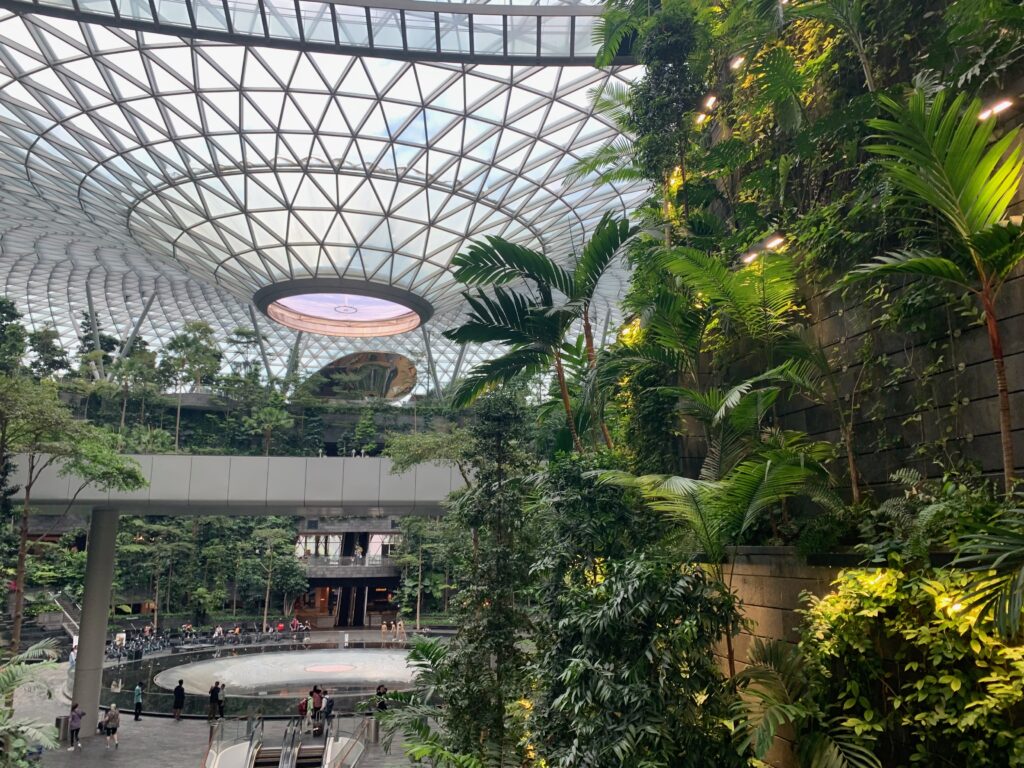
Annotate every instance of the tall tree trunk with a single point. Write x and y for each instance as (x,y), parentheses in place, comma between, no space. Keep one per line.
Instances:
(1005,423)
(851,459)
(167,600)
(588,337)
(419,590)
(19,573)
(266,443)
(566,403)
(124,411)
(266,596)
(156,601)
(177,422)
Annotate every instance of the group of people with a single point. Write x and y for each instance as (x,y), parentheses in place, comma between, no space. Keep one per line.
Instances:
(315,707)
(218,632)
(392,632)
(294,626)
(109,724)
(217,700)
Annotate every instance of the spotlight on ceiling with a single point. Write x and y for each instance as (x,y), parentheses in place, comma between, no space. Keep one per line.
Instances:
(1000,106)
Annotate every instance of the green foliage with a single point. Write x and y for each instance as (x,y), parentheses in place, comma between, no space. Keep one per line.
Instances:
(901,659)
(636,683)
(18,735)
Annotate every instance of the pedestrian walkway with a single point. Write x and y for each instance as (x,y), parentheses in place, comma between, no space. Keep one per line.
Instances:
(152,742)
(375,757)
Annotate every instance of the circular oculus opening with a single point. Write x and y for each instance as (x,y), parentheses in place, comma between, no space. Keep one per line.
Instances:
(351,309)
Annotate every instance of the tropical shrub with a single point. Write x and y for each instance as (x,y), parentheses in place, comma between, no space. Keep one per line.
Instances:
(908,663)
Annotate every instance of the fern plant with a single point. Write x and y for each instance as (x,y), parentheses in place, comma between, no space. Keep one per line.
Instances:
(779,692)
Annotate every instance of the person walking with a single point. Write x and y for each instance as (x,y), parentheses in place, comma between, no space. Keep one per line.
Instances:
(328,706)
(214,701)
(137,701)
(179,699)
(111,722)
(221,700)
(75,726)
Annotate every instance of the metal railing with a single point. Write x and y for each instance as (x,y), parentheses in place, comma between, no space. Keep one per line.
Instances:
(366,561)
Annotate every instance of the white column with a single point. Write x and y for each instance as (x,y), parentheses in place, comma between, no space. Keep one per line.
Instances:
(92,634)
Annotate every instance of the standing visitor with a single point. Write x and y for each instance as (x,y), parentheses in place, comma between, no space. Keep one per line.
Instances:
(75,726)
(318,702)
(328,706)
(111,721)
(214,701)
(307,723)
(137,701)
(73,657)
(382,697)
(179,699)
(393,628)
(400,631)
(221,700)
(383,632)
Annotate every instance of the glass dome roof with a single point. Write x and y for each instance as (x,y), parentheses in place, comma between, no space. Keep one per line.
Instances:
(172,178)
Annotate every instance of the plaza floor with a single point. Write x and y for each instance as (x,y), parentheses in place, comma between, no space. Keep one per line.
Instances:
(152,742)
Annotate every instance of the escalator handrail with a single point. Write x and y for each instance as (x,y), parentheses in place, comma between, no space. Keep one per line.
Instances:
(255,744)
(289,747)
(354,740)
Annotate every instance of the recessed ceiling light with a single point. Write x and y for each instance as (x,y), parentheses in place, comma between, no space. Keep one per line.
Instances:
(710,101)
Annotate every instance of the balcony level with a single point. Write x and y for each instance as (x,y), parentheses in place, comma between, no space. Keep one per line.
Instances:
(350,567)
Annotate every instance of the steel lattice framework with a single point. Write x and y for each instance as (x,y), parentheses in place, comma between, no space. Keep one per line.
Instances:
(168,178)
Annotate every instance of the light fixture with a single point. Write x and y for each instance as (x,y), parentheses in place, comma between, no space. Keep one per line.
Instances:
(775,242)
(333,307)
(701,117)
(737,62)
(710,101)
(749,257)
(995,109)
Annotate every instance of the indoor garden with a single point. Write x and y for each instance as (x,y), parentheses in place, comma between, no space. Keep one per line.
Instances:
(766,512)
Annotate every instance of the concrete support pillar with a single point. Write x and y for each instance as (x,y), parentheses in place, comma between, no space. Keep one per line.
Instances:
(92,634)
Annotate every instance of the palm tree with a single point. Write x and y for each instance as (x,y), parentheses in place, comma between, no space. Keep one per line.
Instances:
(942,157)
(267,420)
(714,515)
(533,322)
(18,735)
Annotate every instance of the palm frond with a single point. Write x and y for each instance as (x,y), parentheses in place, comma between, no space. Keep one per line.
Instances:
(917,263)
(610,32)
(996,554)
(942,156)
(601,249)
(523,361)
(497,261)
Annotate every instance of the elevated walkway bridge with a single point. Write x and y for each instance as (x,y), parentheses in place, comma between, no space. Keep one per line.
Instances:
(254,485)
